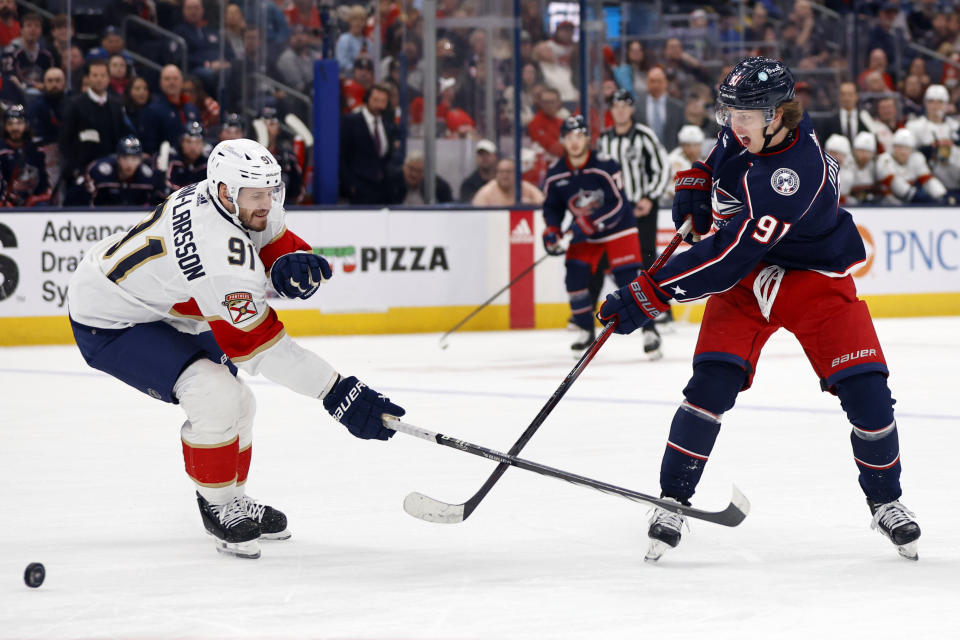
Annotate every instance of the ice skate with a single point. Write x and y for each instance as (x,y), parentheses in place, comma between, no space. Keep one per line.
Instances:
(272,522)
(664,531)
(898,524)
(583,340)
(651,343)
(235,532)
(664,322)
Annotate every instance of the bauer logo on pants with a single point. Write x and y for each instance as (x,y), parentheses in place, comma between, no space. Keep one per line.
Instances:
(240,304)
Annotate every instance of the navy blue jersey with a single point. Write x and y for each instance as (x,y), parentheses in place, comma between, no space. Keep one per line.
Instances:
(180,173)
(779,208)
(595,190)
(106,188)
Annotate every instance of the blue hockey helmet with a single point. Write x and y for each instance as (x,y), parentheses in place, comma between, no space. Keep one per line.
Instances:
(15,112)
(573,123)
(193,130)
(755,83)
(129,146)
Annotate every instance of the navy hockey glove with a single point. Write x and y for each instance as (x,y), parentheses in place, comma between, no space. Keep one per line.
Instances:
(360,409)
(635,305)
(551,241)
(298,275)
(692,199)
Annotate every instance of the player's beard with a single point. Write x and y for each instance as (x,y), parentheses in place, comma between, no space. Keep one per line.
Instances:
(254,219)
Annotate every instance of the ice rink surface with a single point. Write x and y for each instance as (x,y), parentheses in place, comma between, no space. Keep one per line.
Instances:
(93,486)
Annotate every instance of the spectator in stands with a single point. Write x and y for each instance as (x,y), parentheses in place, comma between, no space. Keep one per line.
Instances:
(486,169)
(936,134)
(305,14)
(119,75)
(355,88)
(295,64)
(30,59)
(112,44)
(905,173)
(9,25)
(920,19)
(556,74)
(234,24)
(61,33)
(245,88)
(850,119)
(529,78)
(367,143)
(203,47)
(885,36)
(123,179)
(136,101)
(93,125)
(281,146)
(912,97)
(877,62)
(679,67)
(268,17)
(169,111)
(804,37)
(658,110)
(918,67)
(544,128)
(839,148)
(22,164)
(887,121)
(188,163)
(352,43)
(632,74)
(755,30)
(501,190)
(46,112)
(690,149)
(76,69)
(866,185)
(695,113)
(938,34)
(409,188)
(196,94)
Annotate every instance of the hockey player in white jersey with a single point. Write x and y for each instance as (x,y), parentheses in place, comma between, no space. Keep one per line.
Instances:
(936,135)
(173,306)
(866,185)
(682,158)
(838,147)
(904,172)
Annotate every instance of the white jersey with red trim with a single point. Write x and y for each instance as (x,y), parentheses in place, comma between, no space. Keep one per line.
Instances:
(191,264)
(676,161)
(936,140)
(903,179)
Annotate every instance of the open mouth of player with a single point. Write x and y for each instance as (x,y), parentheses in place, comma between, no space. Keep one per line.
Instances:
(744,140)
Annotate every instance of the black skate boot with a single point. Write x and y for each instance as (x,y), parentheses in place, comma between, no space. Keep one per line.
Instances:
(664,531)
(272,522)
(651,343)
(898,524)
(235,532)
(584,339)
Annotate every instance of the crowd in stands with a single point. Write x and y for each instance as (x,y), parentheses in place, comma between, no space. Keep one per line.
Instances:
(882,85)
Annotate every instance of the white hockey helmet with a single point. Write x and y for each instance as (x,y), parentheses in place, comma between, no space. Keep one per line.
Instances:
(936,92)
(838,144)
(865,141)
(243,163)
(903,138)
(690,134)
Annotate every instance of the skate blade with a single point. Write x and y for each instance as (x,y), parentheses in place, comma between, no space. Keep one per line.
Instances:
(909,550)
(655,550)
(655,354)
(280,535)
(249,549)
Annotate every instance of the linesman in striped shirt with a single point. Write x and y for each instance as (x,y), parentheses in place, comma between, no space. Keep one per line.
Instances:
(646,170)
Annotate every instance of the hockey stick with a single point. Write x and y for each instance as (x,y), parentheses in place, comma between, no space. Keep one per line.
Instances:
(731,516)
(444,343)
(426,508)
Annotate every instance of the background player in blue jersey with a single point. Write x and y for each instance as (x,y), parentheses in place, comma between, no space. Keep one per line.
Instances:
(780,256)
(591,189)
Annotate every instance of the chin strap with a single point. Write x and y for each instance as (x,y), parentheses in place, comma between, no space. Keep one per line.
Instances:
(767,137)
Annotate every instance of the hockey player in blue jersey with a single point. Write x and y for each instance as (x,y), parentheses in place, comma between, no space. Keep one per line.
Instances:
(123,179)
(781,256)
(591,189)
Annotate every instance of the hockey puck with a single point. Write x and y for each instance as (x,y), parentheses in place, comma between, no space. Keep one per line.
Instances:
(34,575)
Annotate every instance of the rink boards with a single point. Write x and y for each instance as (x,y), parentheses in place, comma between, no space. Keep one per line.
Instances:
(402,271)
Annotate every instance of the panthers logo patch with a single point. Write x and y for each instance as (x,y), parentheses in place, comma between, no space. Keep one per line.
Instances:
(241,306)
(785,181)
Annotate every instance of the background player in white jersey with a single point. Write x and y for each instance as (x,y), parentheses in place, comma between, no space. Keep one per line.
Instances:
(905,173)
(682,158)
(936,135)
(866,185)
(838,147)
(173,306)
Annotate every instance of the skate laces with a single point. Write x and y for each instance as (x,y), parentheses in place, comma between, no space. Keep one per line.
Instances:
(229,514)
(253,508)
(668,519)
(891,515)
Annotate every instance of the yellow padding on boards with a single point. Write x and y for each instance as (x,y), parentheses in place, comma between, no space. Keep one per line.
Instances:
(56,329)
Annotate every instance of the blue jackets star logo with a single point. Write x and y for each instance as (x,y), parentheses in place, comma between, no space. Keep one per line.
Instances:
(678,291)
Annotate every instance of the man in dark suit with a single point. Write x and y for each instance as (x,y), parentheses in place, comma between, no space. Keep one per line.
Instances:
(657,110)
(367,142)
(849,120)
